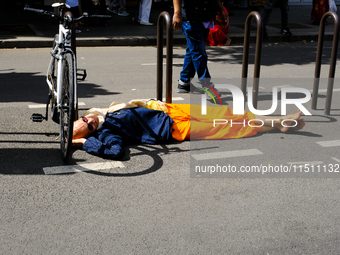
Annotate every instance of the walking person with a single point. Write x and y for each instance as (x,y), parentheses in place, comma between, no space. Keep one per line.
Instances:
(74,4)
(268,7)
(320,7)
(90,7)
(144,12)
(195,23)
(218,36)
(118,7)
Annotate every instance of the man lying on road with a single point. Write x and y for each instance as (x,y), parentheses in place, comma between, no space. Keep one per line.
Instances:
(105,132)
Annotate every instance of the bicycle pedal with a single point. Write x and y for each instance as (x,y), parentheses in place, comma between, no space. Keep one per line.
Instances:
(37,117)
(81,76)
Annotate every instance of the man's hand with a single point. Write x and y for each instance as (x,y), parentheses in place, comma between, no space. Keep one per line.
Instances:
(177,21)
(177,18)
(78,142)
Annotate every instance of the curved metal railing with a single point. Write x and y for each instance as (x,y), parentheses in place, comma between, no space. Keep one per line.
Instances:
(332,62)
(164,17)
(258,50)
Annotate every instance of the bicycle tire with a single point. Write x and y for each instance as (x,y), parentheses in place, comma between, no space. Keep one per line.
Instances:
(67,107)
(53,79)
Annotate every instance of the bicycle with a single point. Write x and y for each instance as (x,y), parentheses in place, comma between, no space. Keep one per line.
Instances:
(62,76)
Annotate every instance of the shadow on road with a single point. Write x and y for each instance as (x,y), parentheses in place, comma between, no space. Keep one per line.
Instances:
(31,87)
(28,160)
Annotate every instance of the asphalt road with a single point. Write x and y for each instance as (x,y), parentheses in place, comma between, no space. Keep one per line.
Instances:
(153,201)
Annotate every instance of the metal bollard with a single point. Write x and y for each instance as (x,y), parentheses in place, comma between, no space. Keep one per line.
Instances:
(164,16)
(258,49)
(332,63)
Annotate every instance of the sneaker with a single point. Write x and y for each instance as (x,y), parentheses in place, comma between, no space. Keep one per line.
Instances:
(187,88)
(113,11)
(183,87)
(124,14)
(286,32)
(146,23)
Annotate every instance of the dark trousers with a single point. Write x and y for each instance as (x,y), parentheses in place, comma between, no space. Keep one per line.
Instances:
(87,6)
(283,4)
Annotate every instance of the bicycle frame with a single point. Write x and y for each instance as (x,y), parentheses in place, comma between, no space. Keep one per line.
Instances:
(63,45)
(62,75)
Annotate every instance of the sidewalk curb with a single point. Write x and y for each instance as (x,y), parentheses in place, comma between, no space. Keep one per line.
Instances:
(37,42)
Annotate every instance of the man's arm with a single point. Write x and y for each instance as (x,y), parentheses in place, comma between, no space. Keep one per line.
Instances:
(109,146)
(177,18)
(224,16)
(78,143)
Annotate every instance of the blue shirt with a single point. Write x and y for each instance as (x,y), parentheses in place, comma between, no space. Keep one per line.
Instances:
(129,126)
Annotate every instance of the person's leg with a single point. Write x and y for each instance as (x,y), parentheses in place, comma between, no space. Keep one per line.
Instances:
(220,123)
(114,5)
(248,121)
(285,31)
(227,41)
(199,55)
(268,7)
(318,10)
(122,8)
(140,11)
(144,11)
(284,13)
(195,59)
(188,70)
(298,125)
(282,123)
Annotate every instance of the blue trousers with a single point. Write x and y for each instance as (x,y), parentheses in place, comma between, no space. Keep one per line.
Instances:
(195,59)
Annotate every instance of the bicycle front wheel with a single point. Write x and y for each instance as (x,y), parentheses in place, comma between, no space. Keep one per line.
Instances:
(52,77)
(67,107)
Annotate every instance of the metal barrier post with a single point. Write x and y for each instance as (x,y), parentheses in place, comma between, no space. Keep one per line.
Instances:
(258,49)
(164,16)
(332,63)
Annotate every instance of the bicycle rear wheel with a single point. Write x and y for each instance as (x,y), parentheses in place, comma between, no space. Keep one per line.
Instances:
(67,107)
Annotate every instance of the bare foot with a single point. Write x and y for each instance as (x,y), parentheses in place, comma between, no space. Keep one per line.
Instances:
(290,120)
(300,124)
(228,41)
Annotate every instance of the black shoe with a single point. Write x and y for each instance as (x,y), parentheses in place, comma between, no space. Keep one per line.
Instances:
(187,88)
(184,87)
(286,32)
